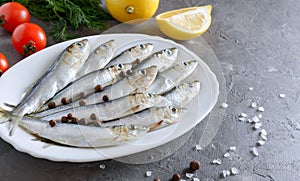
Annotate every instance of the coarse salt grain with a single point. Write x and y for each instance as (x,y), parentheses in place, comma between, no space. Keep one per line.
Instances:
(255,119)
(232,148)
(254,151)
(224,173)
(257,125)
(282,95)
(259,116)
(227,172)
(264,132)
(251,88)
(253,104)
(102,166)
(224,105)
(196,179)
(148,173)
(217,161)
(226,155)
(234,171)
(242,119)
(244,115)
(261,109)
(261,142)
(264,137)
(249,120)
(198,148)
(189,175)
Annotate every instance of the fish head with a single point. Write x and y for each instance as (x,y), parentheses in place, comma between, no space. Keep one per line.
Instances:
(141,51)
(80,48)
(170,54)
(189,88)
(106,49)
(146,100)
(188,66)
(121,70)
(143,78)
(172,114)
(129,131)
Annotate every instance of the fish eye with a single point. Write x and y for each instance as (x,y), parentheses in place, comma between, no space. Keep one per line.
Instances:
(168,51)
(149,95)
(143,46)
(120,66)
(79,44)
(173,109)
(184,63)
(143,72)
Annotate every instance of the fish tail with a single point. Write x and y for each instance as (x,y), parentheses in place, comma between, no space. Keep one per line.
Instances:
(7,116)
(4,115)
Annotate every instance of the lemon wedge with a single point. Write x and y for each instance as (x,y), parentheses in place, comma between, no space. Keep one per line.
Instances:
(186,23)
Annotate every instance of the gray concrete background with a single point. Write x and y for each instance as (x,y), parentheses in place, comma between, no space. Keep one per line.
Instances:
(257,44)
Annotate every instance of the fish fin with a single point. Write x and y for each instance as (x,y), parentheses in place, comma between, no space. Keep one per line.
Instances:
(133,109)
(9,105)
(134,91)
(154,126)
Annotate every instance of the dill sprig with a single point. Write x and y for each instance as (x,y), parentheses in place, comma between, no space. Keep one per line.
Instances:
(67,16)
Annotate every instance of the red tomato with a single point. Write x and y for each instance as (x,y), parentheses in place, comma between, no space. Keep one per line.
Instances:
(3,64)
(29,38)
(13,14)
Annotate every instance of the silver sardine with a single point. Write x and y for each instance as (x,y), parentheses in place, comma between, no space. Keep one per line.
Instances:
(98,59)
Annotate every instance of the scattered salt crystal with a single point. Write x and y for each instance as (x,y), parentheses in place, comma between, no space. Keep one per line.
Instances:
(242,119)
(244,115)
(253,104)
(102,166)
(217,161)
(261,109)
(264,137)
(189,175)
(255,119)
(249,120)
(282,95)
(148,173)
(234,171)
(251,88)
(224,105)
(261,142)
(225,173)
(259,116)
(264,132)
(226,155)
(257,125)
(198,148)
(232,148)
(254,151)
(196,179)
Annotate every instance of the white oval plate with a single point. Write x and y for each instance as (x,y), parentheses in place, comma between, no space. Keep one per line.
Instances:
(15,81)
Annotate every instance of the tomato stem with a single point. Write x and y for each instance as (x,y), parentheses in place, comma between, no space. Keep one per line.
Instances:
(29,48)
(2,21)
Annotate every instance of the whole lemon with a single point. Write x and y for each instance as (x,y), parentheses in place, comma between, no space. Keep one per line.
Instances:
(128,10)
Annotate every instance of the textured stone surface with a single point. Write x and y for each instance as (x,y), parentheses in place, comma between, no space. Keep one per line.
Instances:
(258,45)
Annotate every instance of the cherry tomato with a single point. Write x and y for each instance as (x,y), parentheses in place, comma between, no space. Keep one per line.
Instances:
(13,14)
(29,38)
(3,64)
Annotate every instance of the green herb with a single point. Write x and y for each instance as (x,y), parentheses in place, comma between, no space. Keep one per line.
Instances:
(67,16)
